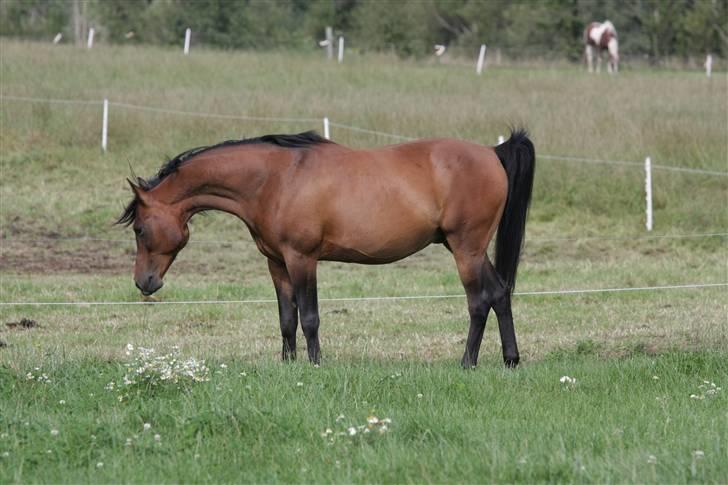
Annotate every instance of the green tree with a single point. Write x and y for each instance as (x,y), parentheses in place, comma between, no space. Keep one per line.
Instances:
(36,19)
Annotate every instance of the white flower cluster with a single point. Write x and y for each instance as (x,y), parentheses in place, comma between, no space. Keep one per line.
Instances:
(148,369)
(374,426)
(706,389)
(38,376)
(567,380)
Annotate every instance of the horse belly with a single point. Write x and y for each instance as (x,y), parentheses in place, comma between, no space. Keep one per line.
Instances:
(373,234)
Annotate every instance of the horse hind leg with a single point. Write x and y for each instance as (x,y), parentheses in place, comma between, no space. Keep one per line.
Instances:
(470,257)
(484,290)
(500,299)
(478,308)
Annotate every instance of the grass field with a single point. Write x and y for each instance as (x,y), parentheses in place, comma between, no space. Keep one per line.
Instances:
(637,357)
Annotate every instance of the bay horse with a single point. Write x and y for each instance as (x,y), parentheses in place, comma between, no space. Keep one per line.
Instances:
(602,37)
(306,199)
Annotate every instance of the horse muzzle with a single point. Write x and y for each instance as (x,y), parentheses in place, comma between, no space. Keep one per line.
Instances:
(148,284)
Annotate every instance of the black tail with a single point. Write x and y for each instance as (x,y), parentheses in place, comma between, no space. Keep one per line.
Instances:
(518,158)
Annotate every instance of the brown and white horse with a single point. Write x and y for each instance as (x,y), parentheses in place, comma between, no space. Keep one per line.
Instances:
(602,37)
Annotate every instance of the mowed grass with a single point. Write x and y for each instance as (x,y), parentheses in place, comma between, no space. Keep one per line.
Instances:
(586,230)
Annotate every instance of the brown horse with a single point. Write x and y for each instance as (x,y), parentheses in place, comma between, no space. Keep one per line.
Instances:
(306,199)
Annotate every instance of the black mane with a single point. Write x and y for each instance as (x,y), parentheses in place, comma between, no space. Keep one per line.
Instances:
(300,140)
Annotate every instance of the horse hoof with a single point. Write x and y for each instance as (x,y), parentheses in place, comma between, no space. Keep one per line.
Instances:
(467,364)
(511,363)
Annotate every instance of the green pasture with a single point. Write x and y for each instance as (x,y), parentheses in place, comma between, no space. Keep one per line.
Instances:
(637,357)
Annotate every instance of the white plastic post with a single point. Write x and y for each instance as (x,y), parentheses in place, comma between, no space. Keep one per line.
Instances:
(326,128)
(501,140)
(329,43)
(105,125)
(188,33)
(57,38)
(708,65)
(90,42)
(341,49)
(481,59)
(648,193)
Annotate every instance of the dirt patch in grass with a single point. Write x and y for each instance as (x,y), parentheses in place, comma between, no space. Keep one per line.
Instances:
(50,256)
(82,257)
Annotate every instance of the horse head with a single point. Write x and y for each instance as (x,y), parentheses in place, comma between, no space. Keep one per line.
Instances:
(161,232)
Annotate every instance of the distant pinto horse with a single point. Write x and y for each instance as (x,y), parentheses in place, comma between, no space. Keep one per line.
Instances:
(306,199)
(601,37)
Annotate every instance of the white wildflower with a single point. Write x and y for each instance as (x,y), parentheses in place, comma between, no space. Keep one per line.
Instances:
(655,378)
(698,454)
(100,464)
(299,384)
(157,437)
(147,426)
(372,420)
(54,432)
(652,459)
(419,395)
(6,454)
(223,366)
(62,401)
(340,417)
(567,380)
(351,431)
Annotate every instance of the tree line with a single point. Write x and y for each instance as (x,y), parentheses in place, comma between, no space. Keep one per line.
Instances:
(648,29)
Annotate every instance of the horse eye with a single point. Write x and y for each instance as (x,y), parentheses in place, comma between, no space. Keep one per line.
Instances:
(138,231)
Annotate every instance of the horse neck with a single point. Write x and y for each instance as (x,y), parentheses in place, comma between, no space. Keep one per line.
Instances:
(226,179)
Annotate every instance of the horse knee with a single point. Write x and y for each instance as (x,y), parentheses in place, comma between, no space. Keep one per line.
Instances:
(478,310)
(310,326)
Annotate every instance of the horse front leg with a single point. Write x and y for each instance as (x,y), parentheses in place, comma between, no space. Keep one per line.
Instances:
(589,52)
(302,270)
(287,308)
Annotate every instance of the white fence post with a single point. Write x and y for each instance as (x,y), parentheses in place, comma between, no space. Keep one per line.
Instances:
(708,65)
(501,139)
(90,42)
(648,193)
(326,128)
(105,126)
(329,43)
(57,38)
(188,33)
(341,49)
(481,59)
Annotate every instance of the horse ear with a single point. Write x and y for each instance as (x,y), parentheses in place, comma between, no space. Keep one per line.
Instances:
(139,192)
